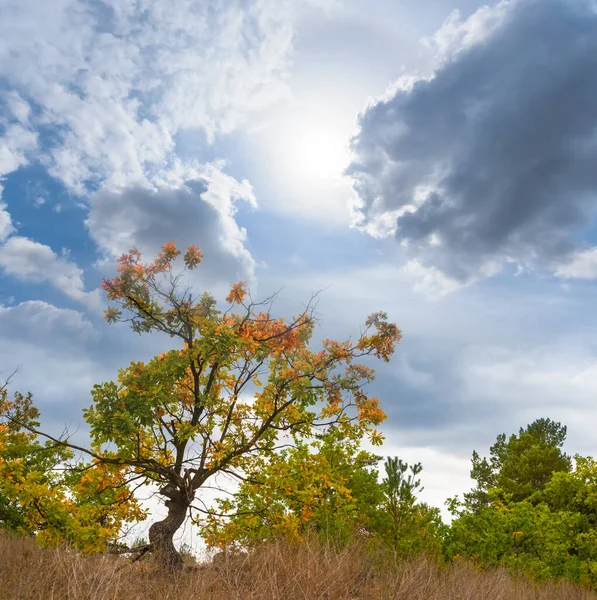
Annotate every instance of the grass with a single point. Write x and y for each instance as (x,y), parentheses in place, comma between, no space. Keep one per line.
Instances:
(276,571)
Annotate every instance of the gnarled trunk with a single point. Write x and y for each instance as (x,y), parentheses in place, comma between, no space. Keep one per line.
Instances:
(161,534)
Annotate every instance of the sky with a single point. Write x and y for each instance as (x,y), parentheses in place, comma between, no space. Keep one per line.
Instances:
(431,159)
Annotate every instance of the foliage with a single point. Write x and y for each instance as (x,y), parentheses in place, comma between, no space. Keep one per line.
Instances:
(532,539)
(407,526)
(220,401)
(327,485)
(539,518)
(84,505)
(520,466)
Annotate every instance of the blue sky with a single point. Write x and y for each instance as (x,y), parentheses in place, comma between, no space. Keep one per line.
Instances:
(433,159)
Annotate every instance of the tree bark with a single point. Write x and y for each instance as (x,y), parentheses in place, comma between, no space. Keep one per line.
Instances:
(161,534)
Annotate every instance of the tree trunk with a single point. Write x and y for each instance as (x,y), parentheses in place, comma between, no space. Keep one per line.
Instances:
(161,534)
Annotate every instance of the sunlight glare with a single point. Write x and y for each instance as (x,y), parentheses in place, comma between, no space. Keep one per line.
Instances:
(317,155)
(306,151)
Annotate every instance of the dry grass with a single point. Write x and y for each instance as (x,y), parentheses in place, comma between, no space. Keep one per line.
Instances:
(309,571)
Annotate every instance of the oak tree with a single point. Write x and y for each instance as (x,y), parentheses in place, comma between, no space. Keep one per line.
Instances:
(240,383)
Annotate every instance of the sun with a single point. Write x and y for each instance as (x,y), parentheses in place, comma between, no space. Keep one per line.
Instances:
(317,154)
(304,154)
(309,148)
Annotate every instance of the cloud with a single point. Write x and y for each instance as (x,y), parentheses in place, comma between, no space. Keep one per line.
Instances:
(429,280)
(99,92)
(6,226)
(434,283)
(16,142)
(490,160)
(52,346)
(198,210)
(485,361)
(62,355)
(523,384)
(458,399)
(579,265)
(41,323)
(112,83)
(32,261)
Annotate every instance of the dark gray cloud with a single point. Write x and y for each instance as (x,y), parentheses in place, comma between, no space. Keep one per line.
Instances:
(196,213)
(494,157)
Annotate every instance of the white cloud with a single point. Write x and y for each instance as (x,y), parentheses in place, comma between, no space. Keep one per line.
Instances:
(6,226)
(457,35)
(433,283)
(18,107)
(16,142)
(430,281)
(537,375)
(39,322)
(32,261)
(117,81)
(523,384)
(581,265)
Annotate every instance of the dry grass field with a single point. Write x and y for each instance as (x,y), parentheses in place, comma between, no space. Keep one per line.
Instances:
(309,571)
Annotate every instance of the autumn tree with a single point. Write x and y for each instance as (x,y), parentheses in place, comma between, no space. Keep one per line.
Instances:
(327,485)
(239,384)
(20,451)
(45,492)
(330,487)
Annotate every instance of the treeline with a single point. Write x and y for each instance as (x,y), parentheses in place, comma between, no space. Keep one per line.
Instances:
(533,509)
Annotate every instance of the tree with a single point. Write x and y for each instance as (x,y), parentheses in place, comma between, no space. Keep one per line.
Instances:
(20,453)
(533,538)
(520,466)
(407,526)
(530,511)
(43,493)
(520,536)
(327,485)
(220,403)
